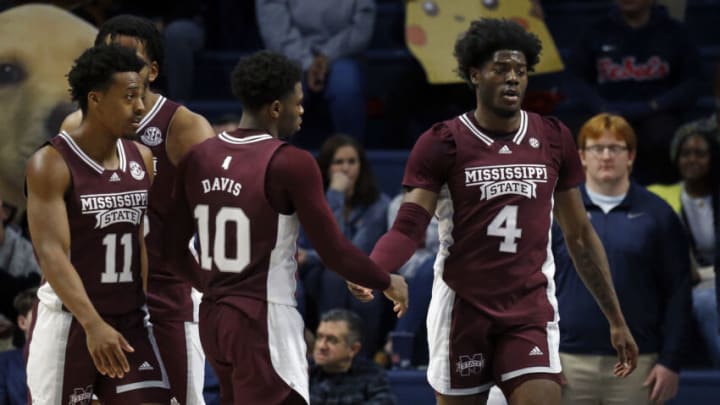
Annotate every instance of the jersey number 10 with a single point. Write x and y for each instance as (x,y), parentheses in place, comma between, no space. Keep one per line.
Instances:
(218,254)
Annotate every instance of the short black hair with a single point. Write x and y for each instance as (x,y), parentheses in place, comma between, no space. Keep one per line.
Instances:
(353,321)
(263,77)
(24,300)
(489,35)
(94,70)
(138,27)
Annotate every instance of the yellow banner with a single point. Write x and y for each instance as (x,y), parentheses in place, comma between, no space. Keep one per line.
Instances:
(433,26)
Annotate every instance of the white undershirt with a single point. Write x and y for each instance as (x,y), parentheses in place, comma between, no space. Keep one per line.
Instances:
(605,202)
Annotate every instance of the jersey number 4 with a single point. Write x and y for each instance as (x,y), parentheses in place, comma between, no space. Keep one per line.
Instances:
(504,225)
(224,217)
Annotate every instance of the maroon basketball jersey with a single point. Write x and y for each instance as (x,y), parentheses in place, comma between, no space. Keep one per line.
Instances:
(495,227)
(246,248)
(105,208)
(168,296)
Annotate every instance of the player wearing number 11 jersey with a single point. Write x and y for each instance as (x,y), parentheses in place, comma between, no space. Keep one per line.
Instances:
(244,194)
(493,313)
(87,195)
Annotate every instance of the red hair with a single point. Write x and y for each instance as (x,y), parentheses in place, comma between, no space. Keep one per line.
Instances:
(616,125)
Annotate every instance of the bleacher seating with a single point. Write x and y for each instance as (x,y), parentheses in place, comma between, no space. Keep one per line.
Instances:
(389,61)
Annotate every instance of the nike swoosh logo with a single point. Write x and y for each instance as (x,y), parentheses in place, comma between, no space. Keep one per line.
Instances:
(633,215)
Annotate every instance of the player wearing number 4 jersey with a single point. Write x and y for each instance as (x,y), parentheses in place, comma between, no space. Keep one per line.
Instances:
(493,313)
(87,195)
(244,194)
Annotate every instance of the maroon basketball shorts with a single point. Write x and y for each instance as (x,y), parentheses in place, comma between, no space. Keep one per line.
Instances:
(469,351)
(60,369)
(182,354)
(256,349)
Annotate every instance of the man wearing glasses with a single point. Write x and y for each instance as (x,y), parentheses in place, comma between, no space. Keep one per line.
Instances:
(648,255)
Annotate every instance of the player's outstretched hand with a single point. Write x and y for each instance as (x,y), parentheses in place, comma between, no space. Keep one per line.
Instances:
(361,293)
(627,350)
(398,294)
(106,346)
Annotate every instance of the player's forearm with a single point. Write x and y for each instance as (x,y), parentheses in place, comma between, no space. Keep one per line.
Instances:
(398,245)
(593,268)
(65,281)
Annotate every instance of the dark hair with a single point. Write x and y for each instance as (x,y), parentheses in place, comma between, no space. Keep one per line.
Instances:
(681,138)
(353,320)
(94,70)
(366,190)
(138,27)
(489,35)
(263,77)
(24,300)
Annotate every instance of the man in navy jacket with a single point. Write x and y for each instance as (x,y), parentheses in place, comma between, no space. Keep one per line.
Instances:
(650,265)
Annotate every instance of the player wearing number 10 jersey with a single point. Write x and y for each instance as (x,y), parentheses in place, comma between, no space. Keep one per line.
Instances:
(493,313)
(87,195)
(244,194)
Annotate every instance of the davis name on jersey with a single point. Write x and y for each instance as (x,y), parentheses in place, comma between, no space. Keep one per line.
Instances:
(221,184)
(494,181)
(115,208)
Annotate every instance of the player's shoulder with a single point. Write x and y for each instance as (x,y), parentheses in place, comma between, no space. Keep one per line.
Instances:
(207,146)
(440,132)
(72,121)
(289,157)
(185,119)
(47,168)
(549,127)
(46,158)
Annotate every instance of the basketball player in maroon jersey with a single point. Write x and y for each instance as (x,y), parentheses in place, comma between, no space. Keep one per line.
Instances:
(87,196)
(245,194)
(169,130)
(493,315)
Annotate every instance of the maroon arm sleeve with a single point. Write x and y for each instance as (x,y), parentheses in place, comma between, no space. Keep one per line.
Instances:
(395,247)
(294,178)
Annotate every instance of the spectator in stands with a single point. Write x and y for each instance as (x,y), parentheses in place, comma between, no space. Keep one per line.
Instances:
(18,268)
(639,63)
(648,257)
(360,210)
(13,389)
(695,198)
(181,23)
(325,37)
(338,375)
